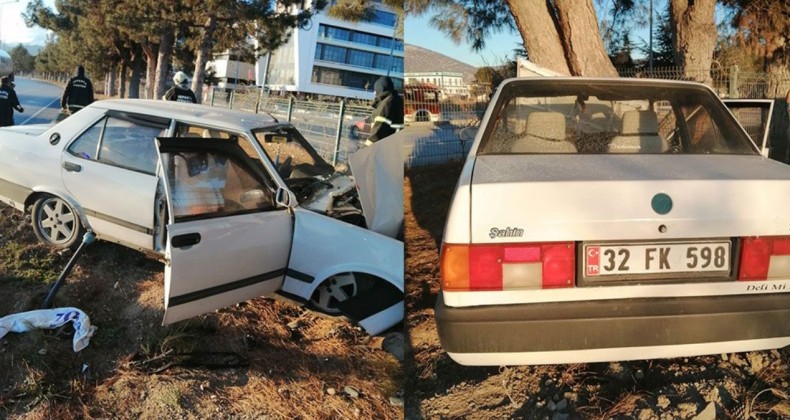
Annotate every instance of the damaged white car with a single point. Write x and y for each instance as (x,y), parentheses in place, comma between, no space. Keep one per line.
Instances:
(238,205)
(614,219)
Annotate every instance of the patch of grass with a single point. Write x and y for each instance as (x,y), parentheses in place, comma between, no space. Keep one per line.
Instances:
(29,262)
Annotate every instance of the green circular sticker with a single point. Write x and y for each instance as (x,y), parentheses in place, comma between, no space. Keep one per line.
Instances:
(661,203)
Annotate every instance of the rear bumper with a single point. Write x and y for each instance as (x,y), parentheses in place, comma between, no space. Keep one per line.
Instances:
(612,330)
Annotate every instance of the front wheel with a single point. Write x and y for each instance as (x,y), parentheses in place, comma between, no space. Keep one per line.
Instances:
(56,223)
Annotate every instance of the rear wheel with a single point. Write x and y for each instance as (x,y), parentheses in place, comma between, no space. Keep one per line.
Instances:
(55,222)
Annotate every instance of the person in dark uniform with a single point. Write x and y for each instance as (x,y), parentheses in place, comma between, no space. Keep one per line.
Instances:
(78,93)
(181,91)
(388,114)
(8,102)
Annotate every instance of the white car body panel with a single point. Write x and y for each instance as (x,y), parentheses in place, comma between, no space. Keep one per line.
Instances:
(323,247)
(588,197)
(581,294)
(231,249)
(121,207)
(378,172)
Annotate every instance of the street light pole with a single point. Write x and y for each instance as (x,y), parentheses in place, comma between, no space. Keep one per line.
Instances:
(3,3)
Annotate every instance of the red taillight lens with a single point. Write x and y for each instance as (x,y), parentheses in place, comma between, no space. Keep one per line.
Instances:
(508,266)
(763,258)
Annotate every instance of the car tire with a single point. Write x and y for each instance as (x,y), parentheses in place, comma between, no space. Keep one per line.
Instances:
(56,223)
(336,289)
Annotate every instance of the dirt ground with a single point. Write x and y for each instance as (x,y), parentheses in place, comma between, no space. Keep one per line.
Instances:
(260,359)
(738,385)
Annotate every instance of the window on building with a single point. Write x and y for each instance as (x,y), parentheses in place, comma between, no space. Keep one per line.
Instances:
(360,58)
(364,38)
(341,34)
(334,54)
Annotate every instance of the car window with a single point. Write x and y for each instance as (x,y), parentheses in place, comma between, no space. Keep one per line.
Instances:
(213,184)
(195,131)
(612,118)
(291,153)
(119,142)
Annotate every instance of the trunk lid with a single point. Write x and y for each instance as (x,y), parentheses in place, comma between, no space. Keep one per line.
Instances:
(547,198)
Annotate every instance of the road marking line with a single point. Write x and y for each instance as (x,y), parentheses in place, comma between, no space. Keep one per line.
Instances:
(40,111)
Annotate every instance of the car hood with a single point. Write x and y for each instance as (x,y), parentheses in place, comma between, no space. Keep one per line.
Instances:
(378,172)
(611,197)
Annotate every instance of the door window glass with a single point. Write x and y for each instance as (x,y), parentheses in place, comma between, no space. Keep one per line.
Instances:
(119,142)
(213,184)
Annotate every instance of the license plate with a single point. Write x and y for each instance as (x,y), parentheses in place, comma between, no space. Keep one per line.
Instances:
(656,258)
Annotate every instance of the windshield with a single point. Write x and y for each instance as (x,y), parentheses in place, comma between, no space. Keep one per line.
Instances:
(611,117)
(291,154)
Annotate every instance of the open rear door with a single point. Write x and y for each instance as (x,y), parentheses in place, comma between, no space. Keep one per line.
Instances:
(227,239)
(754,115)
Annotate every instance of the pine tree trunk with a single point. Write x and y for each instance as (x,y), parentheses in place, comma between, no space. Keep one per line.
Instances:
(581,39)
(112,80)
(537,26)
(695,33)
(137,74)
(778,81)
(163,62)
(203,56)
(122,81)
(151,56)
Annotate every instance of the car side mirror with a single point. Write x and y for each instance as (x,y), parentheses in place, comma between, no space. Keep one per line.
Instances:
(286,198)
(468,133)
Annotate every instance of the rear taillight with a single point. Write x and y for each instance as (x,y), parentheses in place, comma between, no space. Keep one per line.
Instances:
(764,258)
(508,266)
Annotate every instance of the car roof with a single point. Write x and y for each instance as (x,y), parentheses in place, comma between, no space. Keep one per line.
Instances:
(199,114)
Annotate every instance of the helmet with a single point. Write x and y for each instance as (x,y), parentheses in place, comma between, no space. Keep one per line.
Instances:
(180,78)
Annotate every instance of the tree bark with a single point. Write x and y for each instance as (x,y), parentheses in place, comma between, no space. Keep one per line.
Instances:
(203,56)
(537,26)
(694,30)
(778,78)
(151,56)
(122,80)
(581,39)
(137,74)
(163,62)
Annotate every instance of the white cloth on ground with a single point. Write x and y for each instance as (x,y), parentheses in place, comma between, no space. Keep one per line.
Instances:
(50,318)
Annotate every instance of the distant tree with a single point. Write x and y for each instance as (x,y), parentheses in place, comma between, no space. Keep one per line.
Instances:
(621,53)
(23,60)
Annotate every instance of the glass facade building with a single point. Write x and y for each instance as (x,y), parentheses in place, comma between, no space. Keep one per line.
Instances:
(339,58)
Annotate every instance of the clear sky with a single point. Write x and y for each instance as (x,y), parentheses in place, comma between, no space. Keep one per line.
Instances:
(12,26)
(419,32)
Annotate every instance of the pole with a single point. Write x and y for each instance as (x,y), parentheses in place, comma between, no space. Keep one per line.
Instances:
(650,57)
(339,132)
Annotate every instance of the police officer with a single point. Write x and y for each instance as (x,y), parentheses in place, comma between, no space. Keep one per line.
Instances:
(78,93)
(388,113)
(8,102)
(181,91)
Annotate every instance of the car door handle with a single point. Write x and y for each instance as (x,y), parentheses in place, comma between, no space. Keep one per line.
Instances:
(187,239)
(71,167)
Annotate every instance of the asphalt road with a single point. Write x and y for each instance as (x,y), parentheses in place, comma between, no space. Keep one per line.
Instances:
(41,101)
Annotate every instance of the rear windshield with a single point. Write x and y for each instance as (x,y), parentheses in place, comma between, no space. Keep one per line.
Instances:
(605,117)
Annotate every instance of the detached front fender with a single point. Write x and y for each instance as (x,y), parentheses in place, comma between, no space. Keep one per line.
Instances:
(323,246)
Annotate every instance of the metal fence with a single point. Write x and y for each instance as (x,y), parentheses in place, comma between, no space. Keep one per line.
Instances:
(438,141)
(335,129)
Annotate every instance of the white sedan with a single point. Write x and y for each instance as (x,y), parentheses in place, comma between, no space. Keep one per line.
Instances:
(613,219)
(237,204)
